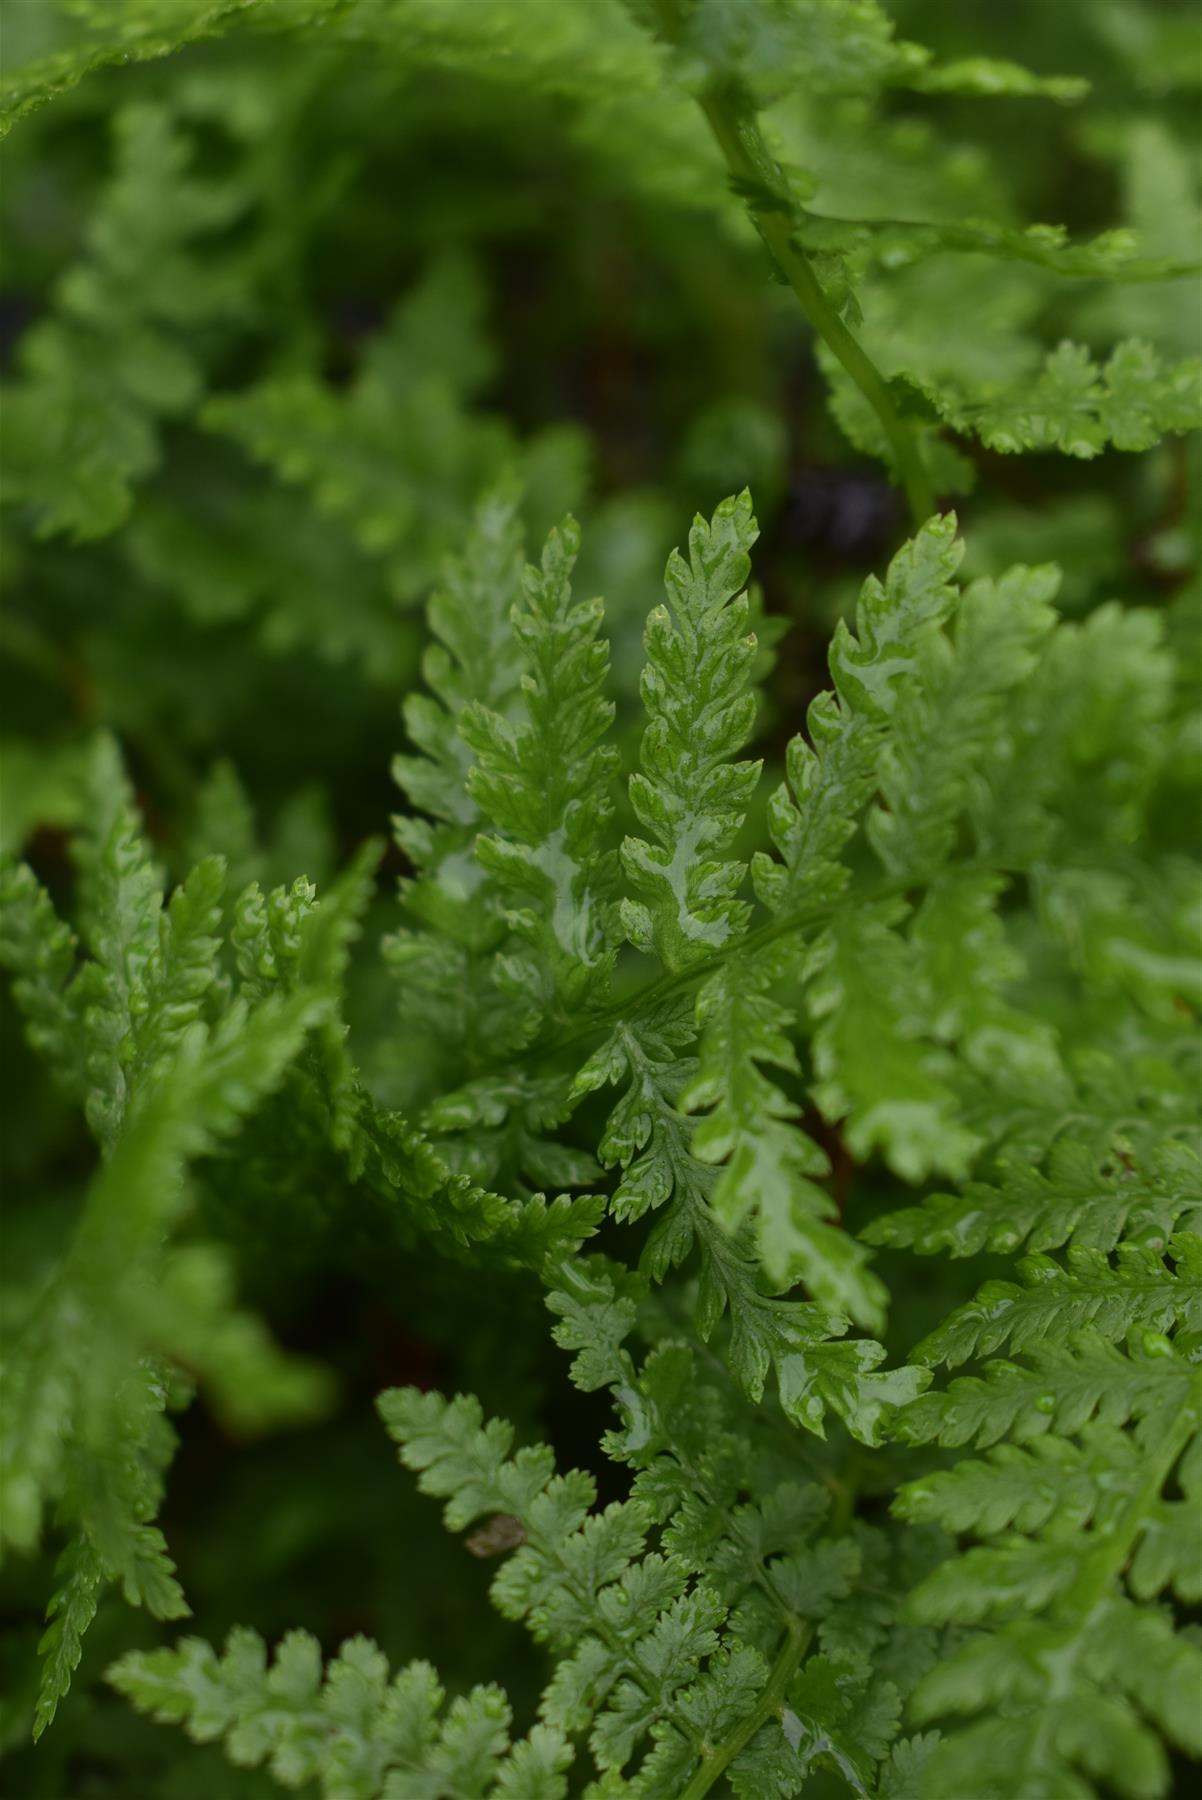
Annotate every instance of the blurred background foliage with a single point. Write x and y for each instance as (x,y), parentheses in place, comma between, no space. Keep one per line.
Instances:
(274,310)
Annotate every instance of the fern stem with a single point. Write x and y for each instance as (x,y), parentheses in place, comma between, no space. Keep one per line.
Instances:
(733,125)
(649,993)
(770,1701)
(1116,1546)
(731,119)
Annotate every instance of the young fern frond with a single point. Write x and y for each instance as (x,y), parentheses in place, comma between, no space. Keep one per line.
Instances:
(688,910)
(40,949)
(85,1431)
(544,780)
(689,792)
(447,969)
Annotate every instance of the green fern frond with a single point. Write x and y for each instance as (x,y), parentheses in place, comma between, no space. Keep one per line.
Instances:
(1075,1201)
(365,454)
(98,377)
(349,1727)
(544,780)
(40,951)
(766,1163)
(1055,1301)
(642,1665)
(690,793)
(1114,255)
(831,777)
(1078,407)
(1123,1671)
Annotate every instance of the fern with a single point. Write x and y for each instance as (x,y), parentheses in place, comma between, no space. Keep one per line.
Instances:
(1018,1584)
(97,380)
(171,1065)
(689,792)
(743,59)
(89,1369)
(822,897)
(545,783)
(365,455)
(349,1727)
(1076,407)
(647,1661)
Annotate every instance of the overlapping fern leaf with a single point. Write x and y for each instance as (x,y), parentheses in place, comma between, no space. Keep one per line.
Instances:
(903,979)
(171,1042)
(883,988)
(1082,1515)
(168,1064)
(775,79)
(715,1623)
(935,993)
(902,760)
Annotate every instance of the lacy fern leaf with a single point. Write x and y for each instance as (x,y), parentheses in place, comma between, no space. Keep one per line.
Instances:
(322,313)
(689,792)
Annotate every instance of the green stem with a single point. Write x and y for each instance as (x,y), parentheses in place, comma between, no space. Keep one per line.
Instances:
(747,157)
(1116,1544)
(651,992)
(770,1701)
(1105,1566)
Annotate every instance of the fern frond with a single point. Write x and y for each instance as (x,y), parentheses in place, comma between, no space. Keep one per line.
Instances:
(1054,1301)
(651,1139)
(628,1622)
(39,950)
(155,28)
(291,943)
(447,967)
(475,657)
(82,1419)
(779,46)
(351,1728)
(766,1163)
(1080,408)
(367,454)
(690,793)
(1060,1387)
(915,713)
(1115,255)
(868,1005)
(1124,1676)
(830,778)
(120,903)
(544,780)
(1075,1201)
(696,688)
(949,718)
(99,376)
